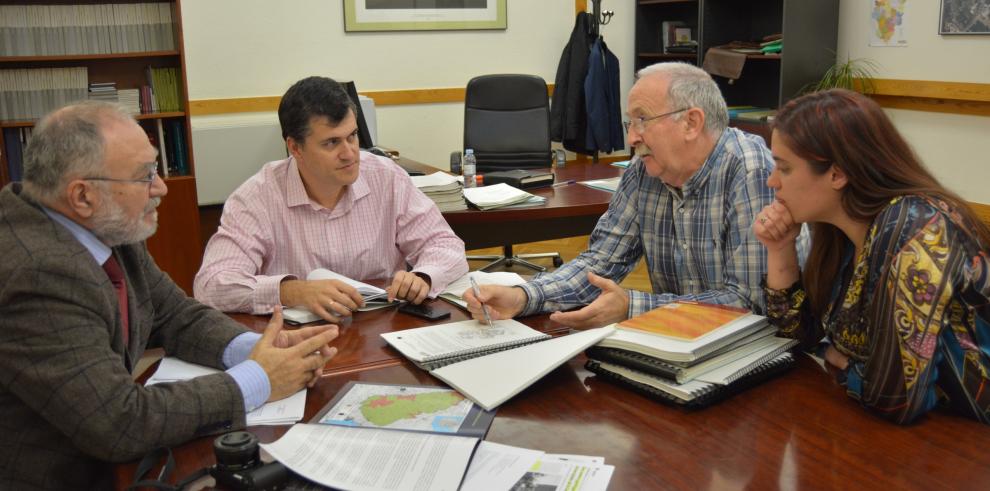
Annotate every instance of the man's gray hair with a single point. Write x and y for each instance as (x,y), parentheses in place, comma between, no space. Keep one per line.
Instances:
(67,143)
(691,86)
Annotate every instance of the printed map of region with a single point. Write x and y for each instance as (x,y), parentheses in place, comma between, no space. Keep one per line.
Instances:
(965,16)
(397,407)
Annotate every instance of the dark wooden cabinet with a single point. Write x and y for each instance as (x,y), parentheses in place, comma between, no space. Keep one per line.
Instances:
(809,29)
(176,246)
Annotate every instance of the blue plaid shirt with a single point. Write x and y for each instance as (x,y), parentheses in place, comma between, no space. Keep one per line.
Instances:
(698,241)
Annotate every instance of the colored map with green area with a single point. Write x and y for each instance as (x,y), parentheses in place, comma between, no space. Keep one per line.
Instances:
(398,407)
(383,410)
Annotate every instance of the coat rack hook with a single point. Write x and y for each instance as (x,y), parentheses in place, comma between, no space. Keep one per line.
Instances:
(606,17)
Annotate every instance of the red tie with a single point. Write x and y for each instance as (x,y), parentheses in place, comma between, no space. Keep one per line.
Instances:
(112,267)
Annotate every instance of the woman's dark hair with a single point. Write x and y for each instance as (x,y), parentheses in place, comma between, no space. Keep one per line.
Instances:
(309,97)
(849,130)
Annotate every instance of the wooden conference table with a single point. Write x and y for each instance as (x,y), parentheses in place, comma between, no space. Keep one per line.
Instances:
(570,211)
(798,431)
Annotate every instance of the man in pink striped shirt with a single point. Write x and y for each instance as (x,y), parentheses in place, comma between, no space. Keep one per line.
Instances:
(331,206)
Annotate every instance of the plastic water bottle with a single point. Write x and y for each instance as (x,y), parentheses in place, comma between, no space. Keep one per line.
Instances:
(469,167)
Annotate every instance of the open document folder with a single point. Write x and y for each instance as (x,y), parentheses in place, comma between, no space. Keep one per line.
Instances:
(282,412)
(374,297)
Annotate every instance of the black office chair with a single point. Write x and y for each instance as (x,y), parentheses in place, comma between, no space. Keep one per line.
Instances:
(507,124)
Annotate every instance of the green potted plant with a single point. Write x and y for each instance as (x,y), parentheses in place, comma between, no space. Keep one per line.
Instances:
(853,74)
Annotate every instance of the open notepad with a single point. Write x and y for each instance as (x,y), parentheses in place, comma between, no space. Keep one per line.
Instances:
(432,347)
(454,290)
(374,297)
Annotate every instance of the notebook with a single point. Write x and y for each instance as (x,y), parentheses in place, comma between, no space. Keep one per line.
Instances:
(435,346)
(520,178)
(694,394)
(713,369)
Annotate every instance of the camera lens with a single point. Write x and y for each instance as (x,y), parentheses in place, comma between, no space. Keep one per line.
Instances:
(237,450)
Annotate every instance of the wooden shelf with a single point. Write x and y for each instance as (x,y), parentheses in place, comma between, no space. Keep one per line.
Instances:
(97,56)
(143,116)
(669,56)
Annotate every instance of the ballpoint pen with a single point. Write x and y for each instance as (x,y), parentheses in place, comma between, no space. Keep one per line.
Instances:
(484,308)
(564,183)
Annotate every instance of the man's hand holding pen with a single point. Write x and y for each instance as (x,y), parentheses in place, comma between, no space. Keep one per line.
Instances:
(501,302)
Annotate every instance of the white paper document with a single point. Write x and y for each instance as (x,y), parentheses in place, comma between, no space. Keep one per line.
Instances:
(282,412)
(567,473)
(492,379)
(497,467)
(367,459)
(435,180)
(374,297)
(454,291)
(495,196)
(609,185)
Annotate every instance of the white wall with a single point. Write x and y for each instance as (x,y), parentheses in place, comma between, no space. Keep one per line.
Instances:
(252,48)
(955,147)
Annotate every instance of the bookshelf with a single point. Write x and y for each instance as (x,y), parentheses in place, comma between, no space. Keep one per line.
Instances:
(809,28)
(124,60)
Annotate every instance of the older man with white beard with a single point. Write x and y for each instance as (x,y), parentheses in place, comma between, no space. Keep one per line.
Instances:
(81,299)
(686,204)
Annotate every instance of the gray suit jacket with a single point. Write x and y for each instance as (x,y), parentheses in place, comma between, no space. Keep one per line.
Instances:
(68,405)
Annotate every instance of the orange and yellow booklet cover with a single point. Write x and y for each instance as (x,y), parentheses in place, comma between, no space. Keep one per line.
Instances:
(685,321)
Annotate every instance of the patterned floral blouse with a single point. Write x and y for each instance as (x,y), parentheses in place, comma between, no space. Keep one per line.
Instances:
(911,313)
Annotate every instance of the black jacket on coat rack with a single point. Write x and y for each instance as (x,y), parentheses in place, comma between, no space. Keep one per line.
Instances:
(568,116)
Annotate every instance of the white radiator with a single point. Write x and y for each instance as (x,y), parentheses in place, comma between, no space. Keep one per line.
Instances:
(230,149)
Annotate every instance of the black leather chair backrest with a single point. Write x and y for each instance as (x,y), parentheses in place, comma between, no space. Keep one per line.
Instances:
(507,122)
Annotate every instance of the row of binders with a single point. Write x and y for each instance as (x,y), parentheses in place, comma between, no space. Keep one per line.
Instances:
(167,135)
(53,30)
(30,93)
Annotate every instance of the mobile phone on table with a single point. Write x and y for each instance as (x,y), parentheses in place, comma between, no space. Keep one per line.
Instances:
(424,311)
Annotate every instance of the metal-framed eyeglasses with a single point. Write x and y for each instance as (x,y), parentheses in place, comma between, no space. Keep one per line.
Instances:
(640,122)
(149,179)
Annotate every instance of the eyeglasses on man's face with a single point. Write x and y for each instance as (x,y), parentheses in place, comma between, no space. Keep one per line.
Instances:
(639,123)
(149,179)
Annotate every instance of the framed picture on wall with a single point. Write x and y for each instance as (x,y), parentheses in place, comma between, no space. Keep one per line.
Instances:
(423,15)
(964,17)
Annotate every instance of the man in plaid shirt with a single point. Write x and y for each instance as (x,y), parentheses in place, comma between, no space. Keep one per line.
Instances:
(687,203)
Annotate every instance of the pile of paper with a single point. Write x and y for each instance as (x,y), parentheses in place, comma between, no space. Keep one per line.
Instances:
(497,467)
(454,290)
(501,196)
(444,189)
(283,412)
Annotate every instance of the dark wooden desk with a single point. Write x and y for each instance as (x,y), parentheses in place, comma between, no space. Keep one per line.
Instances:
(569,211)
(798,431)
(360,345)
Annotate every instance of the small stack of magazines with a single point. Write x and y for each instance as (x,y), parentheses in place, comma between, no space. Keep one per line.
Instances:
(691,354)
(444,189)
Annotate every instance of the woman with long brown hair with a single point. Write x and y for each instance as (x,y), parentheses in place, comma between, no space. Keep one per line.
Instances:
(897,275)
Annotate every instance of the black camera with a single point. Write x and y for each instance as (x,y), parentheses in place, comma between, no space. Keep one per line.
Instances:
(239,465)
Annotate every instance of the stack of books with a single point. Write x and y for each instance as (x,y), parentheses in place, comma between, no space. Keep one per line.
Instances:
(501,196)
(691,354)
(444,189)
(103,91)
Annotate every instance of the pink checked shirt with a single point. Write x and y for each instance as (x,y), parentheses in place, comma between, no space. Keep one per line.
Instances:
(271,230)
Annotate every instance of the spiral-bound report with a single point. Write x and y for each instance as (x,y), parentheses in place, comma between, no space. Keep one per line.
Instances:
(693,394)
(435,346)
